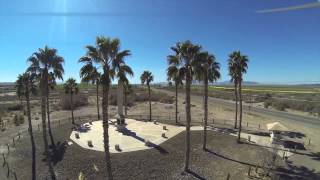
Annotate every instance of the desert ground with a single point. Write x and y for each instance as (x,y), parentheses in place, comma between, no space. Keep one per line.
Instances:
(224,156)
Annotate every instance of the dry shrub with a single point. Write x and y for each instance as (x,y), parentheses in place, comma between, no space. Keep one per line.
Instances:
(15,107)
(78,101)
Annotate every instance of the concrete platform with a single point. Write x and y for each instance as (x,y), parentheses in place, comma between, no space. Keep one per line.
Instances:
(132,138)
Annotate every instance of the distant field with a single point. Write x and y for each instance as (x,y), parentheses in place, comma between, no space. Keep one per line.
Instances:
(272,89)
(301,98)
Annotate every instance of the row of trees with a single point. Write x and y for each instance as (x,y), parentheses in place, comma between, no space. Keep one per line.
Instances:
(187,63)
(104,62)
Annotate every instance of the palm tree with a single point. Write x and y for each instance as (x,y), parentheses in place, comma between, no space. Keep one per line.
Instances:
(121,71)
(186,53)
(41,63)
(89,73)
(71,88)
(104,54)
(207,70)
(26,85)
(241,68)
(176,75)
(233,74)
(127,90)
(51,85)
(146,78)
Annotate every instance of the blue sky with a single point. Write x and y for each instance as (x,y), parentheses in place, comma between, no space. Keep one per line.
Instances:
(282,47)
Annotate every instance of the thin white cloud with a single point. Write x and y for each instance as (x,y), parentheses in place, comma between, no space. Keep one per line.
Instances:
(291,8)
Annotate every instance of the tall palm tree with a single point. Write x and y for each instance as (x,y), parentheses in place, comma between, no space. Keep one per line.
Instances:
(121,71)
(127,90)
(232,66)
(43,62)
(90,73)
(104,54)
(51,85)
(186,53)
(146,78)
(71,88)
(241,68)
(176,75)
(27,86)
(207,70)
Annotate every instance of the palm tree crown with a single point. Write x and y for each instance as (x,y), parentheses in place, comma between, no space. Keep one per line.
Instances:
(146,77)
(71,86)
(107,55)
(45,61)
(207,65)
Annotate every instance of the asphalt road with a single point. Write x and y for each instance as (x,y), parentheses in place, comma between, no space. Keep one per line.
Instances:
(258,110)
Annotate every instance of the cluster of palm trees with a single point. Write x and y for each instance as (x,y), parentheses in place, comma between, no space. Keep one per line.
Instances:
(104,62)
(187,63)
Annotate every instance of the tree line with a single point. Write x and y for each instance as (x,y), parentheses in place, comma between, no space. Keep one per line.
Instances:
(105,61)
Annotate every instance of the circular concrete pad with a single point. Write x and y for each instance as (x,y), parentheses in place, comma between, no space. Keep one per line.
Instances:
(132,138)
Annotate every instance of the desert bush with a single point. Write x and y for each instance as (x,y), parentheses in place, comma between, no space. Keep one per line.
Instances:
(18,119)
(280,106)
(267,104)
(78,101)
(15,107)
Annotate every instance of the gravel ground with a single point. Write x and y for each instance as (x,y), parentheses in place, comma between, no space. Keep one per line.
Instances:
(165,162)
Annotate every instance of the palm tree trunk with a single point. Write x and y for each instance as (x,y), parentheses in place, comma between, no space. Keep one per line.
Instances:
(71,100)
(44,126)
(48,119)
(149,96)
(125,103)
(205,120)
(176,102)
(236,96)
(240,119)
(188,120)
(98,104)
(33,146)
(105,118)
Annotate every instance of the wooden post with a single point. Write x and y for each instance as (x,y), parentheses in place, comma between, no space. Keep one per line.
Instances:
(256,168)
(38,127)
(8,172)
(228,177)
(4,160)
(249,171)
(14,144)
(8,148)
(15,175)
(247,124)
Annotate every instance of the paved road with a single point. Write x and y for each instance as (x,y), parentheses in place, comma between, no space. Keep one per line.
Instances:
(258,110)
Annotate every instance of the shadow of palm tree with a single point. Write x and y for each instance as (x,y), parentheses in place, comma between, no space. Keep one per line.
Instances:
(296,172)
(58,152)
(195,175)
(230,159)
(128,132)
